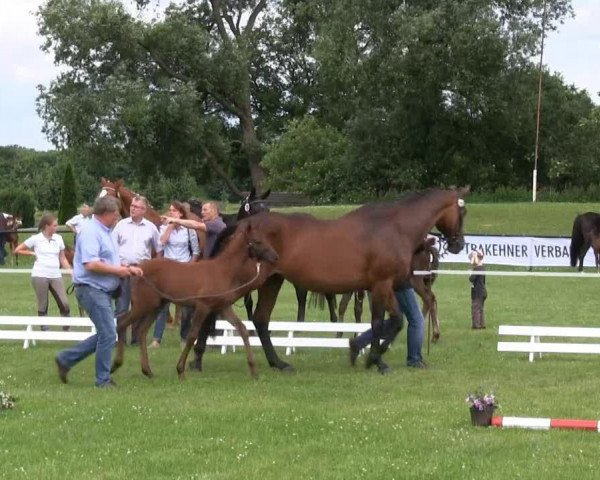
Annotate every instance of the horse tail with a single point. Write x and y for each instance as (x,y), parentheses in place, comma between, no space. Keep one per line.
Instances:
(316,300)
(577,240)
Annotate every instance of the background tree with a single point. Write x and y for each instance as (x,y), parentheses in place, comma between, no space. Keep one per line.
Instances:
(68,196)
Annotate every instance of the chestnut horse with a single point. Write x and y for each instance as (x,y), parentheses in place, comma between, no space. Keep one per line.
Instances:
(9,226)
(211,285)
(425,259)
(370,248)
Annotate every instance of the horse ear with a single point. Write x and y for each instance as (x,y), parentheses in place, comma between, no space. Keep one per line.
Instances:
(464,191)
(119,183)
(266,194)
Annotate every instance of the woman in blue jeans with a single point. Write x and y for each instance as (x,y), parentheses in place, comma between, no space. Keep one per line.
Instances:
(409,306)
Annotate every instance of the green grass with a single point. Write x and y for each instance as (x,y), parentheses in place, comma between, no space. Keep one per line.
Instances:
(328,420)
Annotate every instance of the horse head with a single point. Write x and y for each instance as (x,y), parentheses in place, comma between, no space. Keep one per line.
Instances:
(114,189)
(451,220)
(259,247)
(253,204)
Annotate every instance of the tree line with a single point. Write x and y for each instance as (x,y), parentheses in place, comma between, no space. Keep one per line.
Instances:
(343,100)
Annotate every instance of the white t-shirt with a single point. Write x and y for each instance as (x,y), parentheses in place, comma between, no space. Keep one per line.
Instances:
(47,263)
(77,222)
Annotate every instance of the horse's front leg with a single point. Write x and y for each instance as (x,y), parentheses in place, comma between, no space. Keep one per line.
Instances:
(382,297)
(267,295)
(123,322)
(201,311)
(243,331)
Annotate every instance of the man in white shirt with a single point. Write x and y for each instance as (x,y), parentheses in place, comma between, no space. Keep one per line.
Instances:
(75,223)
(137,240)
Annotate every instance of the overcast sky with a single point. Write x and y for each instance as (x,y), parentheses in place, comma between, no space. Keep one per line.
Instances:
(574,51)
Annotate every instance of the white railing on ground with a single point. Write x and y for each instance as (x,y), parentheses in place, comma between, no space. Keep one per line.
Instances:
(31,333)
(535,333)
(295,334)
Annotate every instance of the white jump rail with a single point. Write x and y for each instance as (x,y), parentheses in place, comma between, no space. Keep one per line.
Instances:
(537,333)
(31,333)
(297,335)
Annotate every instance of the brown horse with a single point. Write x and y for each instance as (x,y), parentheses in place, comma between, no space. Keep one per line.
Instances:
(11,235)
(370,248)
(117,189)
(211,285)
(425,259)
(585,234)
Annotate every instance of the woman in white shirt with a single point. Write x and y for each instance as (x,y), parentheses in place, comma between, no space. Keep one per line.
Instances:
(48,248)
(179,244)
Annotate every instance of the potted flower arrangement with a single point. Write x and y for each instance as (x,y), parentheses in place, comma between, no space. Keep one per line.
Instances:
(482,406)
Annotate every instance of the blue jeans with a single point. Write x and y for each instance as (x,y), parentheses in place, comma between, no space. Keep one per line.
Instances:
(416,326)
(161,320)
(98,304)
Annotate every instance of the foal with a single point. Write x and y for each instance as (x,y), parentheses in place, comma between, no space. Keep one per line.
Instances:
(211,285)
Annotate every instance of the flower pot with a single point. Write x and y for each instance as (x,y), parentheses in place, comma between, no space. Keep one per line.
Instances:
(482,418)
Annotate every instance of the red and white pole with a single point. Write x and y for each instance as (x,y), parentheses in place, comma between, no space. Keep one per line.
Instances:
(546,423)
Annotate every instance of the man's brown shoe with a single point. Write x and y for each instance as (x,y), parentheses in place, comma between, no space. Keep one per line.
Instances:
(62,371)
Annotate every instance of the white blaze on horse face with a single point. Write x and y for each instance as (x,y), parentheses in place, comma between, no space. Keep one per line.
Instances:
(461,203)
(246,207)
(103,193)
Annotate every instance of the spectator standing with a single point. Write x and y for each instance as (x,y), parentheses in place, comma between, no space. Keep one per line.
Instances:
(478,290)
(76,223)
(96,274)
(211,223)
(179,244)
(137,240)
(48,248)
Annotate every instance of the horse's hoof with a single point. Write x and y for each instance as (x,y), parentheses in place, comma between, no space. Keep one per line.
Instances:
(195,365)
(115,367)
(370,362)
(148,373)
(285,367)
(435,338)
(354,351)
(383,368)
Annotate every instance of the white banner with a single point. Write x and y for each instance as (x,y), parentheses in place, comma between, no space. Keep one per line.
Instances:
(516,251)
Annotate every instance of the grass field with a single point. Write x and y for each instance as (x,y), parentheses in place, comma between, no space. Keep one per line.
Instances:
(328,420)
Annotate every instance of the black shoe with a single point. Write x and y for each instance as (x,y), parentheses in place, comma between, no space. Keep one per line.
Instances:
(419,364)
(62,371)
(354,351)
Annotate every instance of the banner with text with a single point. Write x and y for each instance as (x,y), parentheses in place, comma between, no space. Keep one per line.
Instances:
(516,251)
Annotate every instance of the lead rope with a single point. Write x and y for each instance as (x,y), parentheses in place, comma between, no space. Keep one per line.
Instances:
(183,299)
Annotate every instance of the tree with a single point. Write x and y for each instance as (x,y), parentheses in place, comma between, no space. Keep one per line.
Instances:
(68,196)
(155,94)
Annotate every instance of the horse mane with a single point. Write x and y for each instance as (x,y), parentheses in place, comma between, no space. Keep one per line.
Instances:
(222,240)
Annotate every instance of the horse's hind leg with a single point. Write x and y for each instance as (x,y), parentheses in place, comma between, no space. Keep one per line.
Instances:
(241,328)
(142,336)
(301,294)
